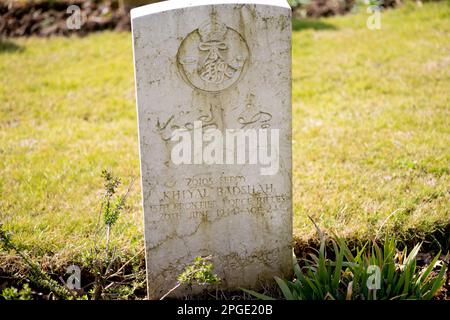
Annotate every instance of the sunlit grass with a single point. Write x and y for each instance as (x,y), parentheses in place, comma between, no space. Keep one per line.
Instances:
(67,112)
(371,129)
(372,122)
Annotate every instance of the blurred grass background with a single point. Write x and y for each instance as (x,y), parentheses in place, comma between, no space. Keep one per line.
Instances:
(371,130)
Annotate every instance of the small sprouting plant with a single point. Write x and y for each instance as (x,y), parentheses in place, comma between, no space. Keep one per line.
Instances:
(112,204)
(15,294)
(102,259)
(200,272)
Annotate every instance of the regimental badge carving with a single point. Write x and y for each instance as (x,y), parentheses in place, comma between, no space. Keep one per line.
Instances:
(213,57)
(252,116)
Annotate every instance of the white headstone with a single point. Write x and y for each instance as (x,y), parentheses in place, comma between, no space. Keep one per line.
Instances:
(213,83)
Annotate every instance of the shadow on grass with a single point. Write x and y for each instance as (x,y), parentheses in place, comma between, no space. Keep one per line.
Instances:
(303,24)
(9,46)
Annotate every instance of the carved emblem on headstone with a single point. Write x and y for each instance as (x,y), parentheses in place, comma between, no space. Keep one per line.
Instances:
(212,57)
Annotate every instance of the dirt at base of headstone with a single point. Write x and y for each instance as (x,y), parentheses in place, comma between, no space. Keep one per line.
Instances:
(46,18)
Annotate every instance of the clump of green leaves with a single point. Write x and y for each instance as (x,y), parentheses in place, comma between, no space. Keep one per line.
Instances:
(399,275)
(321,278)
(371,273)
(15,294)
(200,272)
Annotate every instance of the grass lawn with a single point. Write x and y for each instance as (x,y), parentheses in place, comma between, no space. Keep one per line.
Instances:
(371,119)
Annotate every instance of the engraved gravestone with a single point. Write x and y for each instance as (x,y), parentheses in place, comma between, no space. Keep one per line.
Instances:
(213,88)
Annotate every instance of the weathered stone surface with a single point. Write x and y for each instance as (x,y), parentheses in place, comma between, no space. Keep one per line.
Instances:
(224,65)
